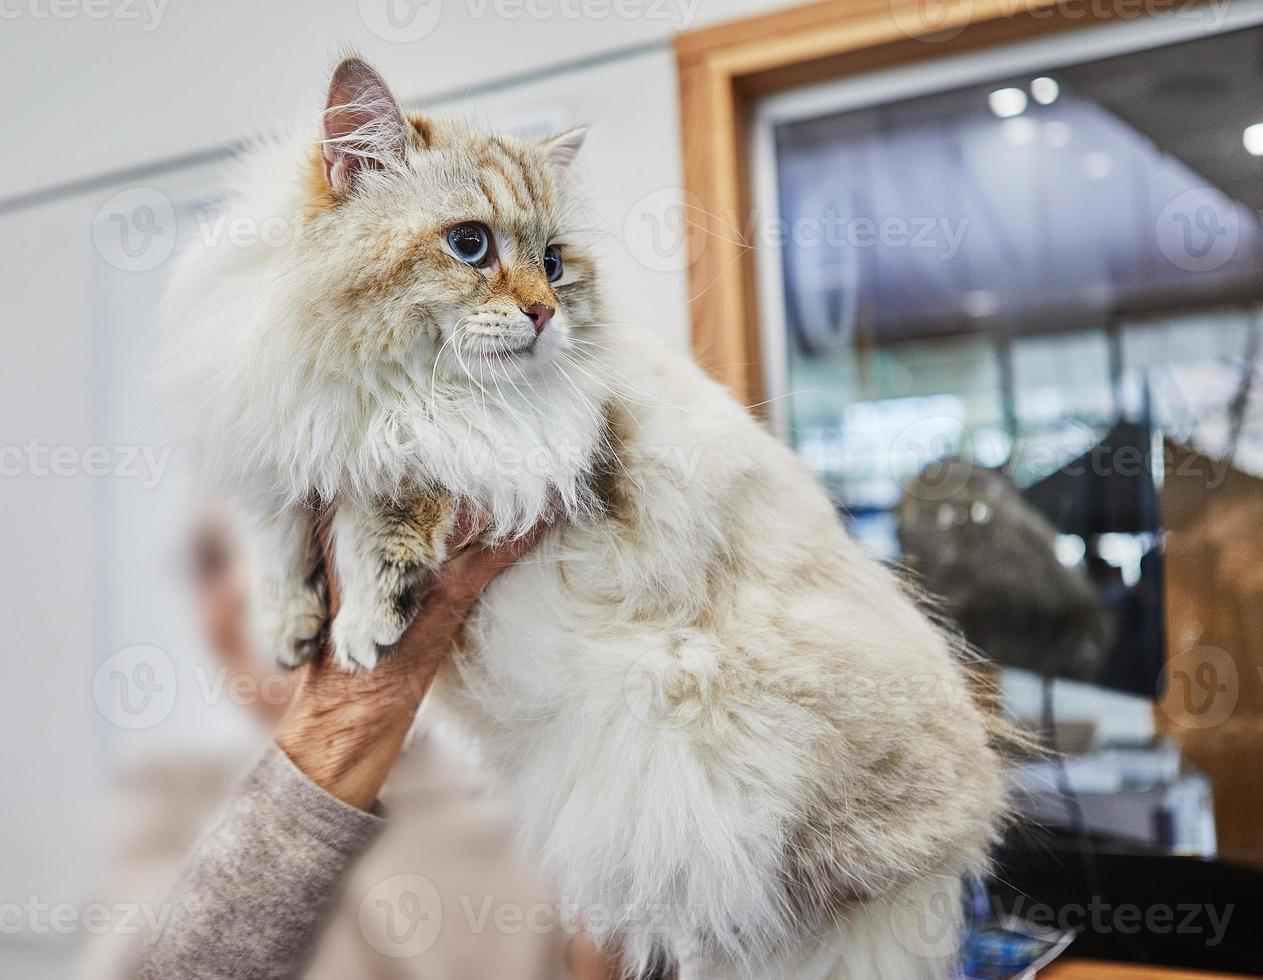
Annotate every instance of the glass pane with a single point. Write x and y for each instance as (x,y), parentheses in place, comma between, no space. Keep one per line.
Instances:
(1023,324)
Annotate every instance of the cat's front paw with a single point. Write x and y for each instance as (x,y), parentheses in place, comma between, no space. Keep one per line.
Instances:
(371,621)
(291,622)
(382,554)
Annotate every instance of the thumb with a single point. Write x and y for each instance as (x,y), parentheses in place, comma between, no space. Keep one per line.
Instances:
(466,575)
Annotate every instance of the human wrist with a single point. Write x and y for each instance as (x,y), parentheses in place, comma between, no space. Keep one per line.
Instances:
(344,749)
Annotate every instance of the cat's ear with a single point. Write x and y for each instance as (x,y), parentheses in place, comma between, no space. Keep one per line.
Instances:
(363,127)
(563,148)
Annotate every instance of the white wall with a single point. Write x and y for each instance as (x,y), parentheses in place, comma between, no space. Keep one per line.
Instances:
(101,94)
(88,564)
(47,556)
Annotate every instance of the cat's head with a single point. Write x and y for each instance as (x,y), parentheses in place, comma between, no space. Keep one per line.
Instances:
(429,242)
(433,316)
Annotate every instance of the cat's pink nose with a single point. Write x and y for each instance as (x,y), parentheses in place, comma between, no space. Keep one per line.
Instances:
(540,315)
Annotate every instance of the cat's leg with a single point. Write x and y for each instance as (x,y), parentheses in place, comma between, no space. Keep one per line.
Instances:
(381,552)
(287,590)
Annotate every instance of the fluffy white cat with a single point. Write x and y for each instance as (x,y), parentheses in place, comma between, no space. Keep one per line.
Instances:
(720,726)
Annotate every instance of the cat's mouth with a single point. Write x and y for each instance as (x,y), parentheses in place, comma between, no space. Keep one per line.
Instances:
(494,341)
(503,348)
(520,350)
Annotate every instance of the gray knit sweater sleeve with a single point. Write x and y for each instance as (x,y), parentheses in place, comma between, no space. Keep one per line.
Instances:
(253,893)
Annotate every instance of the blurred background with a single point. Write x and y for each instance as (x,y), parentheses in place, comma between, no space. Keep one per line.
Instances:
(993,270)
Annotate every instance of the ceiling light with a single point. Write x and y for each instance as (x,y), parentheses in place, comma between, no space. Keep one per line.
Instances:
(1007,102)
(1252,137)
(1045,90)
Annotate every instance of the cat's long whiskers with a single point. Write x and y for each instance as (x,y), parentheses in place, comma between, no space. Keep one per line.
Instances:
(477,382)
(454,340)
(525,380)
(624,382)
(613,381)
(614,393)
(594,411)
(456,351)
(600,358)
(505,402)
(618,458)
(587,342)
(486,409)
(438,357)
(601,382)
(528,400)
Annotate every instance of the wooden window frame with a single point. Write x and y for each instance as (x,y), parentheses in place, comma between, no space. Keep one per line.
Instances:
(723,70)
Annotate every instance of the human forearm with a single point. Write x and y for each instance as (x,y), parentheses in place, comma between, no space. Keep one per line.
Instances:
(254,890)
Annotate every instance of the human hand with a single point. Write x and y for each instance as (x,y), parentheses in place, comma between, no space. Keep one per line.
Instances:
(344,730)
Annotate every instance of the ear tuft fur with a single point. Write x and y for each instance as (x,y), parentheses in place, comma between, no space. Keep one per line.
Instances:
(562,148)
(363,127)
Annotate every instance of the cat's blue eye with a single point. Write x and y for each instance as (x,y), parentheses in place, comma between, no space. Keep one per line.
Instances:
(552,263)
(470,242)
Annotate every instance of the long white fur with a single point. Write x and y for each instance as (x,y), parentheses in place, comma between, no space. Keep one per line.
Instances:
(678,703)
